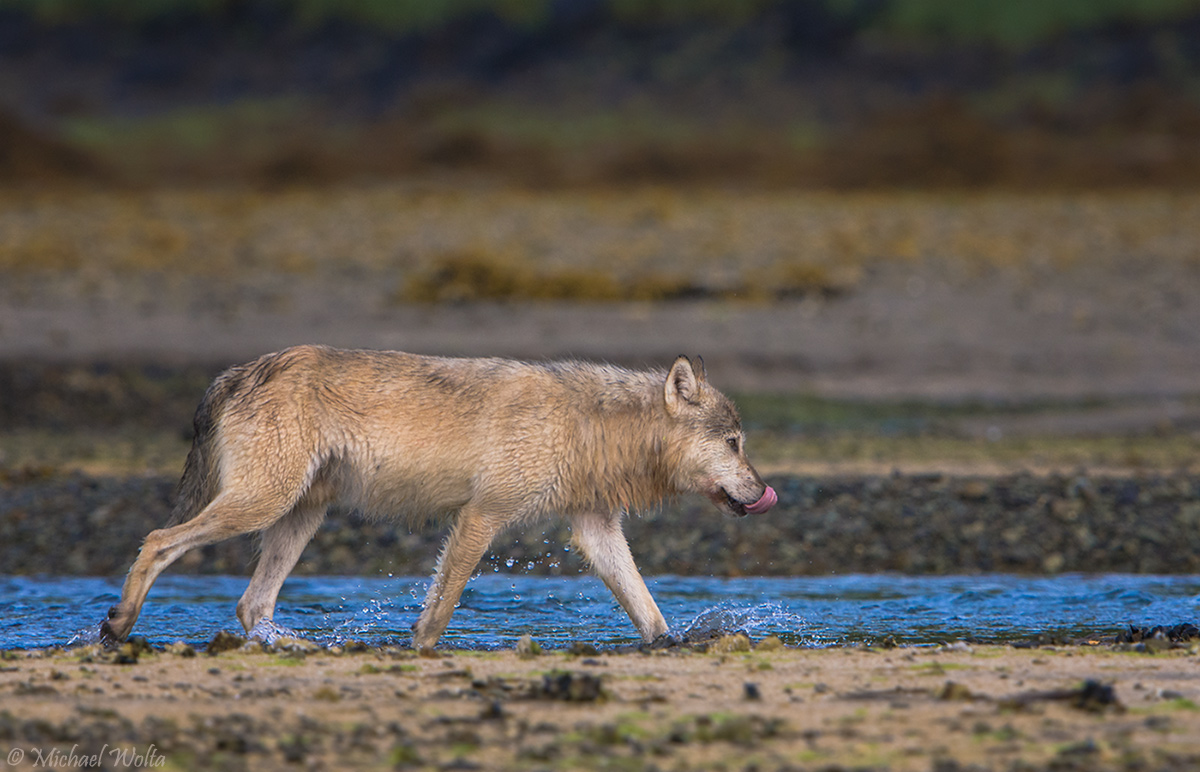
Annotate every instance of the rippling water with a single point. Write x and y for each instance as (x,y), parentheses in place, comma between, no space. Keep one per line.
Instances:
(496,609)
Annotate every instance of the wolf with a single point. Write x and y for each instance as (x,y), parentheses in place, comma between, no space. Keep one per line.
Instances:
(485,443)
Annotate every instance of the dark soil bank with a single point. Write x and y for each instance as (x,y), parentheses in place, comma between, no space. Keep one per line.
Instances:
(75,524)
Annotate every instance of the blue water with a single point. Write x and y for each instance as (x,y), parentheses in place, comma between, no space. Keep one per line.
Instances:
(497,609)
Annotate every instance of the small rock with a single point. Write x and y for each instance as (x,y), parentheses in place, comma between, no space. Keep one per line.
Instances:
(952,690)
(1086,747)
(1053,563)
(730,643)
(125,654)
(288,644)
(973,490)
(223,641)
(750,691)
(527,648)
(494,711)
(570,687)
(1095,697)
(770,643)
(181,649)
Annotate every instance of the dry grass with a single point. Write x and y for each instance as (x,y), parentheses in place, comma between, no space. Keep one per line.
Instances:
(121,452)
(437,242)
(132,451)
(859,452)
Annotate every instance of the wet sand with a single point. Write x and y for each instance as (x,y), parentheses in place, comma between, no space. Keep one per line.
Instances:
(944,708)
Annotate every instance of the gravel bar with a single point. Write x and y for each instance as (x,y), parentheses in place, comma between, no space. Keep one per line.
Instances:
(74,524)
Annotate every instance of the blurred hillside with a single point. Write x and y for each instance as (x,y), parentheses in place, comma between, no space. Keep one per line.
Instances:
(814,93)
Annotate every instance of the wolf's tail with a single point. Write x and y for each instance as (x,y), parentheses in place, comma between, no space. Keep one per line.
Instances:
(201,477)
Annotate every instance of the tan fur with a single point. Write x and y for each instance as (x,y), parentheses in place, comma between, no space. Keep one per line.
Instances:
(487,442)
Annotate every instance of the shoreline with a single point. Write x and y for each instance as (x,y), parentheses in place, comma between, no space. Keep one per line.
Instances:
(734,707)
(907,524)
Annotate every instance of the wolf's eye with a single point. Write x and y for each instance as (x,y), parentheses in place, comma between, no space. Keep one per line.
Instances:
(733,444)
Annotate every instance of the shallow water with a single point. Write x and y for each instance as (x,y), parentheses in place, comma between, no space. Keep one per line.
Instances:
(496,609)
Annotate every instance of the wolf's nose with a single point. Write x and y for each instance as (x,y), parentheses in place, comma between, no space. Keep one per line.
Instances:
(768,500)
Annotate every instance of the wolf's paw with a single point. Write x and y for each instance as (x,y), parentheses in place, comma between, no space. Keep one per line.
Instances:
(268,632)
(667,640)
(109,637)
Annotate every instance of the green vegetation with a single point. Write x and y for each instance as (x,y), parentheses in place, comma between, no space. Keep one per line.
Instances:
(400,15)
(1006,23)
(199,129)
(1016,24)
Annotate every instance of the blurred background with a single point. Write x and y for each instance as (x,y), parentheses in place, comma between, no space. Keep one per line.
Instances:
(826,94)
(958,239)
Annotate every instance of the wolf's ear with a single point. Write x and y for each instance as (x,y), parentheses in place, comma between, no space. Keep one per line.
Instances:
(698,369)
(683,386)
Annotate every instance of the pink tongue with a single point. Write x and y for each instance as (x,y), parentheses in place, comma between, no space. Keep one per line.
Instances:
(767,501)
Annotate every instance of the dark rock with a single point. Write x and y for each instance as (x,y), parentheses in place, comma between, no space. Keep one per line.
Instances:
(570,687)
(844,524)
(223,641)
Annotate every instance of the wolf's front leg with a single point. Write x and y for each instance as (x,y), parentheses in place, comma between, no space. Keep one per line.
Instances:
(468,540)
(603,543)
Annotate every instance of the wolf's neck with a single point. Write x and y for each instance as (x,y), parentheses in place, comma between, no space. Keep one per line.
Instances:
(632,449)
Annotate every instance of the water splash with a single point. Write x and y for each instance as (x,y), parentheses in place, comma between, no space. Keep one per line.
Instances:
(85,637)
(727,619)
(268,631)
(559,611)
(374,617)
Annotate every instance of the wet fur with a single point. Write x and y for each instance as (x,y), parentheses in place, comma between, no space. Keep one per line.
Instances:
(486,443)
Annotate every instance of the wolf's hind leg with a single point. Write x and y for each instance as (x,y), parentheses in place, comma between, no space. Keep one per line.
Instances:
(226,516)
(604,544)
(468,540)
(282,545)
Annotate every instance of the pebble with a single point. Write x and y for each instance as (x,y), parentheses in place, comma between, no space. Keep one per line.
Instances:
(527,648)
(730,643)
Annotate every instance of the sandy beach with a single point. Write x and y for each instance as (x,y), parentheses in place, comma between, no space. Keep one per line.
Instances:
(733,707)
(1106,362)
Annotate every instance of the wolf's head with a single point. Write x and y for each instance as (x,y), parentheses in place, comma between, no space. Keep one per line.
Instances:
(711,443)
